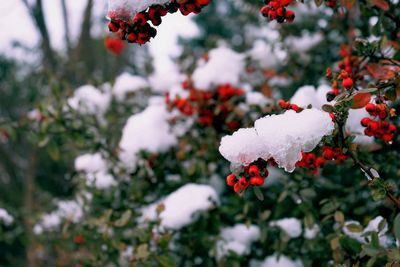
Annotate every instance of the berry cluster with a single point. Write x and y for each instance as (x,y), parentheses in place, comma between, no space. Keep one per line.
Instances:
(311,162)
(348,73)
(287,105)
(276,10)
(381,128)
(252,175)
(114,45)
(211,107)
(138,30)
(332,153)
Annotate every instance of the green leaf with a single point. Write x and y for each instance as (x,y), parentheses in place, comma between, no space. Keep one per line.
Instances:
(396,226)
(371,262)
(142,252)
(375,240)
(354,228)
(328,108)
(391,94)
(308,193)
(265,215)
(352,246)
(367,90)
(258,193)
(124,219)
(309,220)
(378,194)
(339,216)
(282,196)
(370,251)
(381,225)
(166,261)
(328,208)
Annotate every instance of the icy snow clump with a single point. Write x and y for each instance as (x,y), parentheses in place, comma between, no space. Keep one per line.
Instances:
(237,239)
(281,137)
(223,66)
(95,168)
(148,130)
(182,205)
(127,83)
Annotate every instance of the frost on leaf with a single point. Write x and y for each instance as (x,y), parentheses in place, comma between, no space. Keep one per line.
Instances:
(281,137)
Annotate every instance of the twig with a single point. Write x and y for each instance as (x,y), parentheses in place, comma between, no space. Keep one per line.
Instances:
(365,168)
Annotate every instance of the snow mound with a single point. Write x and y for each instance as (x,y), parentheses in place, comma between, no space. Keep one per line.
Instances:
(280,261)
(257,99)
(281,137)
(223,66)
(373,226)
(70,210)
(237,239)
(243,147)
(303,43)
(291,226)
(95,168)
(308,95)
(127,83)
(89,100)
(267,55)
(182,205)
(5,217)
(148,130)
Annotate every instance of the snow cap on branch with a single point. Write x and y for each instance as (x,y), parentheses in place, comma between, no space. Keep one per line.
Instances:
(182,205)
(148,130)
(237,239)
(281,137)
(127,9)
(224,66)
(88,99)
(127,83)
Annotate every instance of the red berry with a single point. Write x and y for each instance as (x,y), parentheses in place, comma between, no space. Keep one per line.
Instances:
(328,153)
(295,107)
(387,137)
(257,181)
(320,161)
(365,121)
(370,108)
(289,16)
(243,182)
(231,180)
(374,126)
(237,188)
(254,170)
(131,37)
(347,83)
(78,239)
(113,27)
(392,128)
(368,132)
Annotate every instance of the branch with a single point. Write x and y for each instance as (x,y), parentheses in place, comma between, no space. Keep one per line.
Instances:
(37,15)
(66,25)
(366,169)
